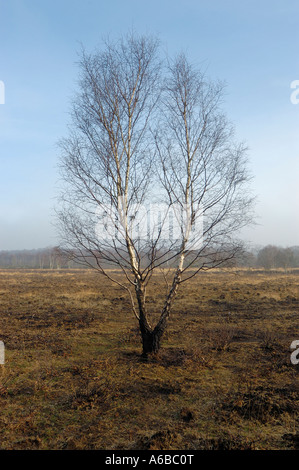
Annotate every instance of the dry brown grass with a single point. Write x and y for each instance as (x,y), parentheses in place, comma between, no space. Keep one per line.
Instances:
(74,378)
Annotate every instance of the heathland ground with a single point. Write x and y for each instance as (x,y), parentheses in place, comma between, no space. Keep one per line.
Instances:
(74,378)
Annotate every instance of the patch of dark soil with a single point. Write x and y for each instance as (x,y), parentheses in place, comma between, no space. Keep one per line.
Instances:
(291,440)
(161,440)
(225,443)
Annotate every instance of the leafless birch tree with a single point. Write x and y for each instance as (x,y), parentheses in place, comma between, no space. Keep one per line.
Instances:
(146,134)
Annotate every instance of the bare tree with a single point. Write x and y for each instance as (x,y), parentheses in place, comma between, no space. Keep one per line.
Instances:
(271,257)
(153,180)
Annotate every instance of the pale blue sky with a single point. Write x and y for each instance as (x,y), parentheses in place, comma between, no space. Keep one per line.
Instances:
(252,45)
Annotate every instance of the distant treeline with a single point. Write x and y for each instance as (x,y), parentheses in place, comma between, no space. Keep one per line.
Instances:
(45,258)
(268,257)
(271,257)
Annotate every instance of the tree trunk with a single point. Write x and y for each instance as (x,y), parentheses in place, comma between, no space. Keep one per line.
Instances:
(151,336)
(151,339)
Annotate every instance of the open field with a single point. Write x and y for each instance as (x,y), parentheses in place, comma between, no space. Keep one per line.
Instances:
(74,378)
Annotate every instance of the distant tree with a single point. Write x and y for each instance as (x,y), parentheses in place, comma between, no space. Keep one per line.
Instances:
(271,257)
(295,251)
(143,133)
(246,259)
(285,258)
(267,257)
(56,258)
